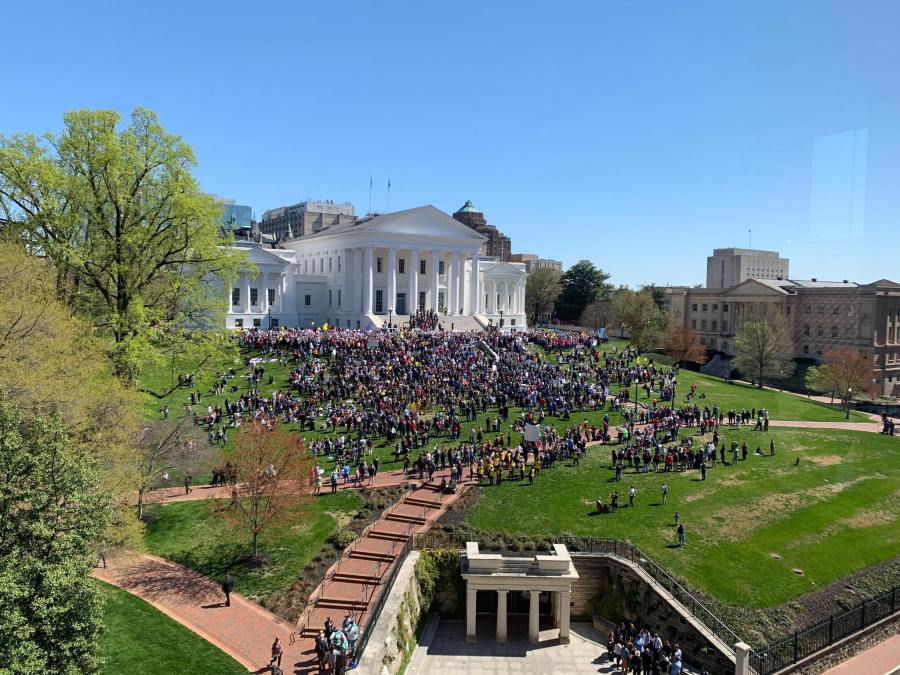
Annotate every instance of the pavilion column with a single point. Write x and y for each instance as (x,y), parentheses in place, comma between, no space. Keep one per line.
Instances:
(392,279)
(471,597)
(454,284)
(245,294)
(412,303)
(501,616)
(367,281)
(279,292)
(463,288)
(475,285)
(565,601)
(435,266)
(533,625)
(230,309)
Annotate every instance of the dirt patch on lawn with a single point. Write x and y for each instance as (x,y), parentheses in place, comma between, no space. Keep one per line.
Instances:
(825,460)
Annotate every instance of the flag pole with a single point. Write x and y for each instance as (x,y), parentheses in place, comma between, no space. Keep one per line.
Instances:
(388,209)
(370,194)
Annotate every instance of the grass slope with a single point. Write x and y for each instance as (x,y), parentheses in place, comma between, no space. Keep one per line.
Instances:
(141,640)
(833,514)
(194,535)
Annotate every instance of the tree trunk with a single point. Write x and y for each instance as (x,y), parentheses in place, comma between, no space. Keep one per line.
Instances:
(255,545)
(140,504)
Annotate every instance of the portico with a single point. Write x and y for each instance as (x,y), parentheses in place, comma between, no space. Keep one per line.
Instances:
(552,573)
(384,268)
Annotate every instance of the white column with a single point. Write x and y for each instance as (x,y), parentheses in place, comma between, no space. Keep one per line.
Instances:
(412,303)
(367,282)
(347,291)
(475,284)
(470,614)
(565,600)
(464,291)
(392,279)
(533,625)
(230,291)
(501,616)
(454,284)
(279,292)
(358,261)
(245,294)
(741,658)
(435,264)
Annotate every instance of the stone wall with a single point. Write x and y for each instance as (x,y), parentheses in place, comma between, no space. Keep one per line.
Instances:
(616,592)
(393,636)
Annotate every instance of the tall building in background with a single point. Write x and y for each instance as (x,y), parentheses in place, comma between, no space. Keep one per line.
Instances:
(235,216)
(496,243)
(305,218)
(533,262)
(728,267)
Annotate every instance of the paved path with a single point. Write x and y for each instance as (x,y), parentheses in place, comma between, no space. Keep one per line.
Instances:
(872,427)
(245,631)
(882,659)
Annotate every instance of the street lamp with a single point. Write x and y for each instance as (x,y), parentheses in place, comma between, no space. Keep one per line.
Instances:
(849,397)
(390,316)
(270,317)
(501,318)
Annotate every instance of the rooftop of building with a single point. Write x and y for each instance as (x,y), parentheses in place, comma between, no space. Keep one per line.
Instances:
(468,207)
(744,251)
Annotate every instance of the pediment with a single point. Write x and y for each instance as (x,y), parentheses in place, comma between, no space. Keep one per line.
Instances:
(503,268)
(260,256)
(422,221)
(755,288)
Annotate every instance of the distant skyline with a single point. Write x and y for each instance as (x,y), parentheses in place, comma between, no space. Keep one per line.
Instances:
(639,136)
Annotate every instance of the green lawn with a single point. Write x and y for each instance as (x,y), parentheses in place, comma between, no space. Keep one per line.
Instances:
(194,535)
(835,513)
(141,640)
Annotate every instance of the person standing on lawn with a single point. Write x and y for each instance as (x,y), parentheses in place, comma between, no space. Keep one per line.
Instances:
(665,493)
(680,534)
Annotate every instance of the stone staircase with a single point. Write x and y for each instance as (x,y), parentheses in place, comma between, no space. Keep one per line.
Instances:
(718,366)
(460,323)
(354,583)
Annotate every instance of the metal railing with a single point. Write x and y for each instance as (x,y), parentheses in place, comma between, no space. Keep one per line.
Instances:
(802,644)
(611,547)
(374,611)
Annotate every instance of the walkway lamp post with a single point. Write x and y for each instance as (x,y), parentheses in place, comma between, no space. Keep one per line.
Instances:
(390,316)
(849,398)
(501,319)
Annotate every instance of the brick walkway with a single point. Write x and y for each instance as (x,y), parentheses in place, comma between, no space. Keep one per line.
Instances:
(873,427)
(245,631)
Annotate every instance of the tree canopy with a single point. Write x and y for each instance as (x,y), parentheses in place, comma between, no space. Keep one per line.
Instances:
(638,313)
(683,345)
(582,284)
(843,372)
(763,350)
(135,243)
(51,516)
(542,288)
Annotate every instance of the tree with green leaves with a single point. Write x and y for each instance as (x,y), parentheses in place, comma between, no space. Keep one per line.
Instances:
(596,315)
(763,350)
(542,288)
(843,372)
(136,245)
(51,517)
(637,313)
(582,284)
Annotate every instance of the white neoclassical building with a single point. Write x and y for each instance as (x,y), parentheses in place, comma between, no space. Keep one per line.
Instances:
(379,270)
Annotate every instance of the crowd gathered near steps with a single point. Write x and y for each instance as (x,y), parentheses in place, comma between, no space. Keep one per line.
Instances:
(442,399)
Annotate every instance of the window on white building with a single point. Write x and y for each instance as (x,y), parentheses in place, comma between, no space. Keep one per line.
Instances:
(440,266)
(238,323)
(254,296)
(307,300)
(339,297)
(257,323)
(422,266)
(401,266)
(379,301)
(235,296)
(378,265)
(329,297)
(270,293)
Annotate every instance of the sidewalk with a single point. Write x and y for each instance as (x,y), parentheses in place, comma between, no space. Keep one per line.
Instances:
(882,659)
(245,631)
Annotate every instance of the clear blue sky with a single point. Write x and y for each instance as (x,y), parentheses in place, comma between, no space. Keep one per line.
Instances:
(640,135)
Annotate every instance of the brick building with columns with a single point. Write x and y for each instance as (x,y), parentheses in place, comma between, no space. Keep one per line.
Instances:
(378,270)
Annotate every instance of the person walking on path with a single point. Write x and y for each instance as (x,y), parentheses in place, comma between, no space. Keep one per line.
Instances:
(665,493)
(680,534)
(277,652)
(187,484)
(103,552)
(227,587)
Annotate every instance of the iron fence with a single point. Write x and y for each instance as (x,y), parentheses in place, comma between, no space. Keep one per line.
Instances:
(800,645)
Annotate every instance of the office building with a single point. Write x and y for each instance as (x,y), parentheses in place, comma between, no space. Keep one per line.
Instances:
(728,267)
(496,244)
(305,218)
